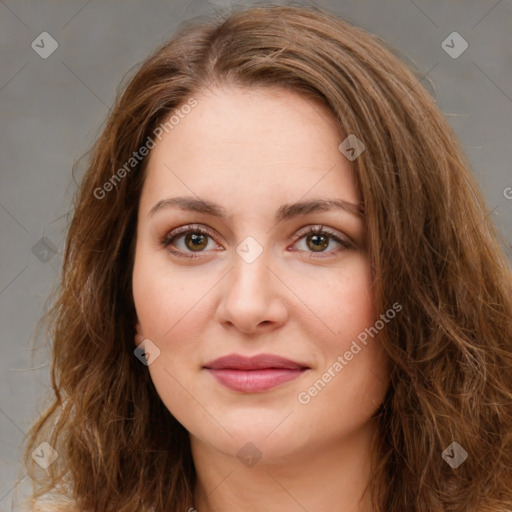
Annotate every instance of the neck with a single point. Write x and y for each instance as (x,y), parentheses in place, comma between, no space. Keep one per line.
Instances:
(332,476)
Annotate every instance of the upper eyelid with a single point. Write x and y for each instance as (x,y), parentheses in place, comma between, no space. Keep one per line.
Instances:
(318,227)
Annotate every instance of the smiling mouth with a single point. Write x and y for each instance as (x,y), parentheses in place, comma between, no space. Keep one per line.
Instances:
(254,374)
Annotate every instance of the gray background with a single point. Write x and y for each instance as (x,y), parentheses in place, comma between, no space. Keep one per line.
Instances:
(53,109)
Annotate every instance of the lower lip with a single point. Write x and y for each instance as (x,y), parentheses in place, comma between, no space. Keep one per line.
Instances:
(252,381)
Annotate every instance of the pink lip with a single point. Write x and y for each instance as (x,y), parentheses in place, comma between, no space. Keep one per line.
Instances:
(253,374)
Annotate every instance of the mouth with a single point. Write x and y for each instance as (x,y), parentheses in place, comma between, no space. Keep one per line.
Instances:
(254,374)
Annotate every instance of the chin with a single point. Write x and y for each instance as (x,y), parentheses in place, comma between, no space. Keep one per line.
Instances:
(252,438)
(256,448)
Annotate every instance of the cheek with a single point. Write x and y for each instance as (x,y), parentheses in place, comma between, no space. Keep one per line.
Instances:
(346,303)
(163,302)
(347,308)
(162,299)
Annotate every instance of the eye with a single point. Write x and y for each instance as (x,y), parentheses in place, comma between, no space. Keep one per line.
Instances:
(317,238)
(194,237)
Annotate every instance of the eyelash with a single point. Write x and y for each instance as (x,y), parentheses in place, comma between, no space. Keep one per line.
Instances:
(184,230)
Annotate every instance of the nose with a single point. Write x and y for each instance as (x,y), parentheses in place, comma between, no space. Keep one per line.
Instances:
(253,297)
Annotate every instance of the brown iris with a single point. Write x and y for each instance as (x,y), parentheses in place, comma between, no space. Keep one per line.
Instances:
(198,241)
(315,238)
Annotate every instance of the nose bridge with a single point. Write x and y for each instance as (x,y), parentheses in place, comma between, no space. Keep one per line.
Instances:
(251,268)
(251,293)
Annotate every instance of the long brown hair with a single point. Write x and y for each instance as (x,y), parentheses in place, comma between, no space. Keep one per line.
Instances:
(431,245)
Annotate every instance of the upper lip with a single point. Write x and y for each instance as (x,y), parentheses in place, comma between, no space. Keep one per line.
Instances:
(258,362)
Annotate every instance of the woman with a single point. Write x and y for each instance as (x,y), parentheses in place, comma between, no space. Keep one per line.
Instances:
(280,289)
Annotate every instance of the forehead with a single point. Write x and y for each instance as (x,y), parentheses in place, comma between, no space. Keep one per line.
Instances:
(252,142)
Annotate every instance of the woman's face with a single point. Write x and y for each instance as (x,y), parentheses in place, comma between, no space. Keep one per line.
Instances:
(255,282)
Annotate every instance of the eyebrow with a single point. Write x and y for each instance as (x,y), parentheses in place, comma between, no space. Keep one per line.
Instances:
(285,211)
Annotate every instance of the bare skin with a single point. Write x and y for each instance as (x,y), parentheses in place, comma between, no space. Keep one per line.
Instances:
(251,151)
